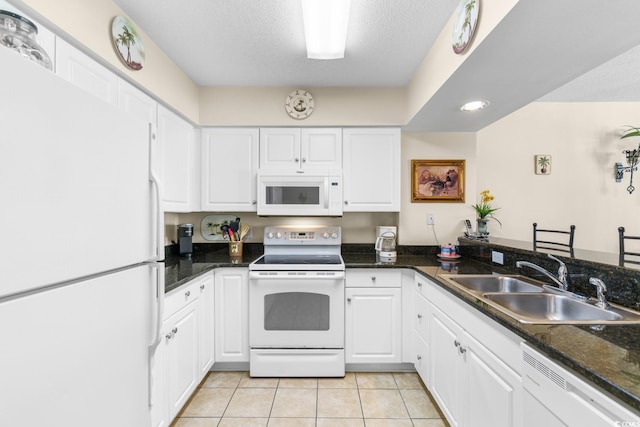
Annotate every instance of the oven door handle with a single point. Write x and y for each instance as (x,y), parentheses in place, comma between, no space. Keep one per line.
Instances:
(262,275)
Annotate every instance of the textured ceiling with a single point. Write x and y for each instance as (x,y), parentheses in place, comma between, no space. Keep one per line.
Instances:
(573,50)
(261,43)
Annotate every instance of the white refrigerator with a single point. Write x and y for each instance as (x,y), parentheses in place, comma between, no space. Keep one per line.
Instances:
(81,250)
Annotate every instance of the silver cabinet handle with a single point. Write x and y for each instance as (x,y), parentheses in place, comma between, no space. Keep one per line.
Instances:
(456,343)
(253,202)
(169,336)
(304,160)
(419,284)
(419,357)
(175,330)
(419,316)
(201,287)
(373,278)
(346,202)
(462,350)
(297,160)
(349,300)
(187,294)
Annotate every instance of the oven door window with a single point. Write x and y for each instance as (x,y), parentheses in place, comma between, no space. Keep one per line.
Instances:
(296,311)
(292,195)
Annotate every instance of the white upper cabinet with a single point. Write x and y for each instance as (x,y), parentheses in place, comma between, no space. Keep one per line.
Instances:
(229,169)
(176,139)
(79,69)
(294,149)
(371,172)
(137,103)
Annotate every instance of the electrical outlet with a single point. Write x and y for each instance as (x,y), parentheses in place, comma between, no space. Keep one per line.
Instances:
(431,218)
(497,257)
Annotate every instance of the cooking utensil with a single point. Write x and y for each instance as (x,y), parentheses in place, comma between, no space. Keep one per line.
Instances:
(244,230)
(235,225)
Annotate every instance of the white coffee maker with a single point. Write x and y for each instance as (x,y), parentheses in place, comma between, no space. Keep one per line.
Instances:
(386,243)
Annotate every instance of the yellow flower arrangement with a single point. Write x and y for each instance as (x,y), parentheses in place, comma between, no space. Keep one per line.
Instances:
(484,210)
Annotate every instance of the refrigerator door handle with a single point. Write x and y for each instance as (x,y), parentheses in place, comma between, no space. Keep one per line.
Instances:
(155,336)
(157,187)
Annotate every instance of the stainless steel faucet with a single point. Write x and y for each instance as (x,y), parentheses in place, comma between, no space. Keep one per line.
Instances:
(601,288)
(563,272)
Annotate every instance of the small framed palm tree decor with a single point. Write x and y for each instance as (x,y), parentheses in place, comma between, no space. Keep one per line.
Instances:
(543,164)
(127,43)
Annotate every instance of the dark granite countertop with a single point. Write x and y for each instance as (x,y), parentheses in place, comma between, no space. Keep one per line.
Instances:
(609,358)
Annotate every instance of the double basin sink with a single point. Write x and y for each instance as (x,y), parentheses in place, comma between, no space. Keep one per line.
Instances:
(532,302)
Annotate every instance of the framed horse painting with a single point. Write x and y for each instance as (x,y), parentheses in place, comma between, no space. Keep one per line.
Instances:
(437,181)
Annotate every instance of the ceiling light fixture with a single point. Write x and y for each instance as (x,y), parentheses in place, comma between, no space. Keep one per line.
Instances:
(325,27)
(474,106)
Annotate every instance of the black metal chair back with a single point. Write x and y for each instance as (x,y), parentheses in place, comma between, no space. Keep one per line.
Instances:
(626,256)
(550,239)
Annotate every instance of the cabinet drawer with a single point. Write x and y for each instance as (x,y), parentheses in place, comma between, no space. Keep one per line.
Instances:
(421,318)
(181,297)
(373,278)
(421,285)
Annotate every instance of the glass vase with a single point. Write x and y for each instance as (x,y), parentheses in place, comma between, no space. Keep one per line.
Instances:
(482,226)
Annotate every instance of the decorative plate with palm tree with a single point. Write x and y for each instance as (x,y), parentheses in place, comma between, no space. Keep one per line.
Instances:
(465,24)
(127,43)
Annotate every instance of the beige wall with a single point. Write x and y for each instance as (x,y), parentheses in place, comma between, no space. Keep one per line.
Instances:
(334,106)
(583,141)
(449,217)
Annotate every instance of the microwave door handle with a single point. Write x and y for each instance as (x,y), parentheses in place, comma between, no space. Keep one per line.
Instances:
(326,193)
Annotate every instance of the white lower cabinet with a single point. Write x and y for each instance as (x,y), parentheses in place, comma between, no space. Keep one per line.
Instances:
(470,384)
(373,317)
(206,323)
(232,315)
(181,333)
(186,352)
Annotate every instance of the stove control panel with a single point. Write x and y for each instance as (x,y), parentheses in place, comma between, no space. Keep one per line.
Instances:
(292,235)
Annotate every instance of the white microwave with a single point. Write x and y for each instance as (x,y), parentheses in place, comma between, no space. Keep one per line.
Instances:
(300,193)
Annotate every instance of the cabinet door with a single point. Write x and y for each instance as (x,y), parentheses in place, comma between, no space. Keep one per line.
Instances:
(181,338)
(280,148)
(206,325)
(79,69)
(137,103)
(321,148)
(232,315)
(371,170)
(447,366)
(177,147)
(493,393)
(421,358)
(373,325)
(229,170)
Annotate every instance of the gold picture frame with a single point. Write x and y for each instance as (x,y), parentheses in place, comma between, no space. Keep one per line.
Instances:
(437,181)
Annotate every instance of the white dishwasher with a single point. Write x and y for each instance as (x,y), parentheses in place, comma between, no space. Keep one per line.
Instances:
(555,397)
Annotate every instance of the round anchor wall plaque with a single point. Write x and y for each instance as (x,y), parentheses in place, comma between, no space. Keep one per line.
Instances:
(299,104)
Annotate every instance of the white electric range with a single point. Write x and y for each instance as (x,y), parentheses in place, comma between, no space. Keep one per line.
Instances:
(296,302)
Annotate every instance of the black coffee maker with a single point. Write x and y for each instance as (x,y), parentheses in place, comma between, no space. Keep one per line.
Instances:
(185,242)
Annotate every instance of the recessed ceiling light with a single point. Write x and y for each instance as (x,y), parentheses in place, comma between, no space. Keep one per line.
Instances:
(474,105)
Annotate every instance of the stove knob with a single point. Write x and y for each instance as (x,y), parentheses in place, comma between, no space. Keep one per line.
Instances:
(278,235)
(334,235)
(325,235)
(270,235)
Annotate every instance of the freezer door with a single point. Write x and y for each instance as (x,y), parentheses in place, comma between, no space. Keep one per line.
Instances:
(78,355)
(74,181)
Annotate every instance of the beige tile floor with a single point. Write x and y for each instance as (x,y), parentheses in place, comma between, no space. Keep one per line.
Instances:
(230,399)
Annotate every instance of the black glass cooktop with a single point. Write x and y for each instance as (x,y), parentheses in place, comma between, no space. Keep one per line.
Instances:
(298,259)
